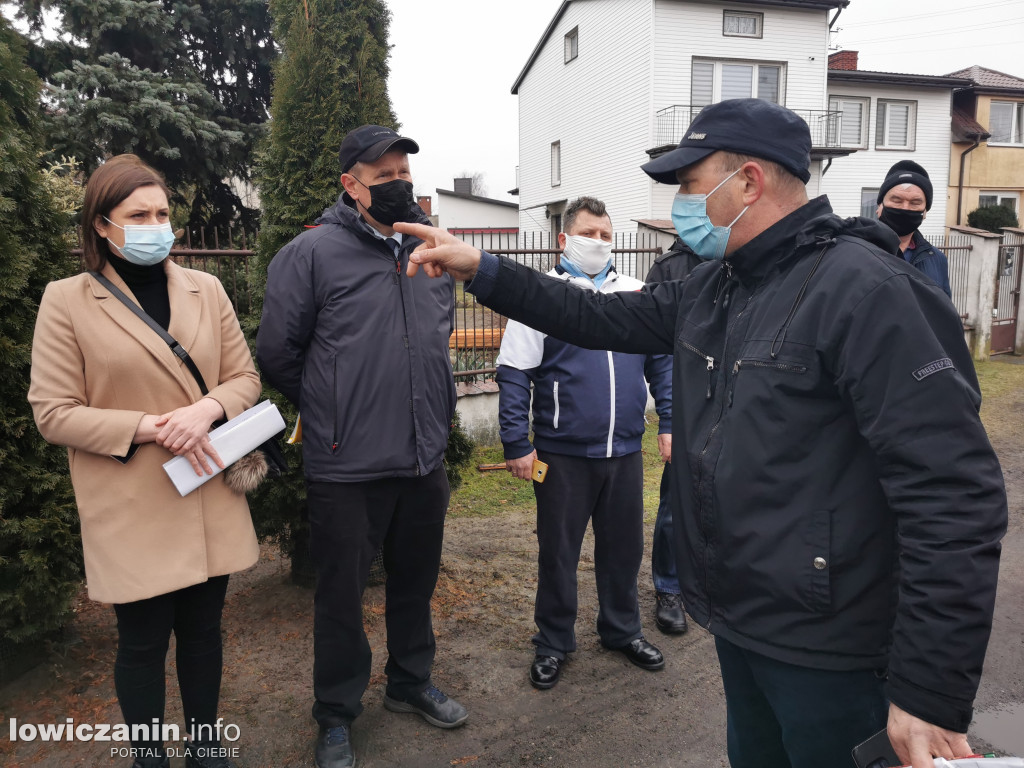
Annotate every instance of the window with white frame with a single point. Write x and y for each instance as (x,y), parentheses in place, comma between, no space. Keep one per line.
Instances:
(740,24)
(1006,122)
(572,45)
(1007,199)
(850,128)
(869,202)
(714,81)
(556,163)
(895,124)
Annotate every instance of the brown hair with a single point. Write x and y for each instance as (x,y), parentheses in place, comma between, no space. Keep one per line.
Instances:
(110,185)
(590,204)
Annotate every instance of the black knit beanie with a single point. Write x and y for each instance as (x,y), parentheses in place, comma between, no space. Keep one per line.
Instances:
(907,172)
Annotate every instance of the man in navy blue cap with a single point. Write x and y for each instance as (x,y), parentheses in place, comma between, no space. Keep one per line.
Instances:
(363,353)
(837,505)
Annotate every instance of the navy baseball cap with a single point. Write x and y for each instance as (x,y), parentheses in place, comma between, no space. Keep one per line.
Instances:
(746,127)
(367,143)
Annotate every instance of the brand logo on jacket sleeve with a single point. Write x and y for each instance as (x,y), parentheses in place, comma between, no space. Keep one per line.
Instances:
(934,367)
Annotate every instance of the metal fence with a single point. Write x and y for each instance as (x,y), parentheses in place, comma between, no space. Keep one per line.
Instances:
(958,252)
(672,122)
(225,252)
(478,330)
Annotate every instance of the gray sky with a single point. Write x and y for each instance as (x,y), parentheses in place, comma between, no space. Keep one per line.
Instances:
(453,63)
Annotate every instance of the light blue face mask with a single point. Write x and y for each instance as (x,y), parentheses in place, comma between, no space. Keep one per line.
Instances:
(145,244)
(690,217)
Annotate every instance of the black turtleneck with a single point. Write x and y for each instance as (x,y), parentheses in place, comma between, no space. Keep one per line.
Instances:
(149,284)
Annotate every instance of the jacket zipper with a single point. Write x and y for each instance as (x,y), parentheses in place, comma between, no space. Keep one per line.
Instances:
(711,365)
(611,404)
(789,367)
(334,409)
(554,422)
(405,325)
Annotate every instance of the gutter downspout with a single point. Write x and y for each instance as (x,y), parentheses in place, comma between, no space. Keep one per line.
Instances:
(835,18)
(960,186)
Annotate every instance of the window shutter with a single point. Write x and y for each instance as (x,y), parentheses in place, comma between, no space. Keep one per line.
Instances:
(702,84)
(737,81)
(853,115)
(1001,122)
(768,83)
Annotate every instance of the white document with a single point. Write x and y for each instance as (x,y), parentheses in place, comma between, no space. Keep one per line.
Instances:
(980,762)
(232,440)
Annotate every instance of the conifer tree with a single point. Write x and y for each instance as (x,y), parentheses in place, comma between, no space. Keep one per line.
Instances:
(184,84)
(40,560)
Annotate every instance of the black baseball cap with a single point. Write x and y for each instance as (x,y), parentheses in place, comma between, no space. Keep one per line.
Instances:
(367,143)
(746,127)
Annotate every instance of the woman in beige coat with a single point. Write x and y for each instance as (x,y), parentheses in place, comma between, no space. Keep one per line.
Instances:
(106,386)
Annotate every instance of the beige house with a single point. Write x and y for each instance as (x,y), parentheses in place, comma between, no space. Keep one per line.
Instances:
(987,156)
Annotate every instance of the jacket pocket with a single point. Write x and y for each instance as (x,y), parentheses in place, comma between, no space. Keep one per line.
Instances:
(554,421)
(814,571)
(748,363)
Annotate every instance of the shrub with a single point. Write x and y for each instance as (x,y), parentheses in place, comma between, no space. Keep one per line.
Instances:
(992,218)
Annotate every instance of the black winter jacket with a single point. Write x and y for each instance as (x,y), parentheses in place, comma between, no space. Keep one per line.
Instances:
(674,264)
(838,503)
(361,349)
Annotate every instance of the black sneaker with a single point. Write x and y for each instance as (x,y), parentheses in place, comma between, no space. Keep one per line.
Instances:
(334,748)
(432,705)
(669,614)
(206,754)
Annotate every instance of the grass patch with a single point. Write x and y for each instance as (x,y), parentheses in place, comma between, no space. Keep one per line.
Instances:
(484,494)
(998,379)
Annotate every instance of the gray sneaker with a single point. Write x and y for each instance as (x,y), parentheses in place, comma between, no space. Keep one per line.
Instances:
(432,705)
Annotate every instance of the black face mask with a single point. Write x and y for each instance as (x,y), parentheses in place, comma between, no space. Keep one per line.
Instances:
(900,220)
(391,201)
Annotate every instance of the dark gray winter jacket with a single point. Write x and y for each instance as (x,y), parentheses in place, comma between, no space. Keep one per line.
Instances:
(362,349)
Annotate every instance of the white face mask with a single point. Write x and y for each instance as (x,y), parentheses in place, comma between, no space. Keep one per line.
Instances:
(587,254)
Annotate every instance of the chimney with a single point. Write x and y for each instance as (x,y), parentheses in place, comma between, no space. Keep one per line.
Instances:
(464,186)
(424,202)
(846,60)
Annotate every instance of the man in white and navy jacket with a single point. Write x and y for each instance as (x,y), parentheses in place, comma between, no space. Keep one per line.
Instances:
(588,422)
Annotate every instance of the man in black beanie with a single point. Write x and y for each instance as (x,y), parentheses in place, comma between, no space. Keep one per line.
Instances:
(903,202)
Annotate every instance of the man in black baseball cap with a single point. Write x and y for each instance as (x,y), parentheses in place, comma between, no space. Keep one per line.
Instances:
(837,507)
(367,143)
(904,200)
(365,352)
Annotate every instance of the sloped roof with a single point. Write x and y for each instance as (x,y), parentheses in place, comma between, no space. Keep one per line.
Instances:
(983,77)
(810,5)
(966,128)
(478,198)
(897,78)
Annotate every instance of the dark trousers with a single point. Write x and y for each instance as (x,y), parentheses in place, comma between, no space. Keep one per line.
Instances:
(349,524)
(663,559)
(785,716)
(143,635)
(577,490)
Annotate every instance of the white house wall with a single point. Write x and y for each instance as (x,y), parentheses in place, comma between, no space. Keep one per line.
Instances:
(866,169)
(598,106)
(685,30)
(459,213)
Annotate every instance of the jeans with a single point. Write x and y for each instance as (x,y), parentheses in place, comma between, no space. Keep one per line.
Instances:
(786,716)
(663,559)
(143,635)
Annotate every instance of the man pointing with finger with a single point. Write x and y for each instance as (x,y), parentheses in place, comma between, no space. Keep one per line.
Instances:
(838,507)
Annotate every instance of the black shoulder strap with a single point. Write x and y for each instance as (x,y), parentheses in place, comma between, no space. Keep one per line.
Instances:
(171,342)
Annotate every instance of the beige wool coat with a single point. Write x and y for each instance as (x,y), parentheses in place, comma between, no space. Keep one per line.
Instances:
(97,369)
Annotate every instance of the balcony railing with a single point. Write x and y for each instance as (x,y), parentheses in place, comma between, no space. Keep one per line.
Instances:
(672,122)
